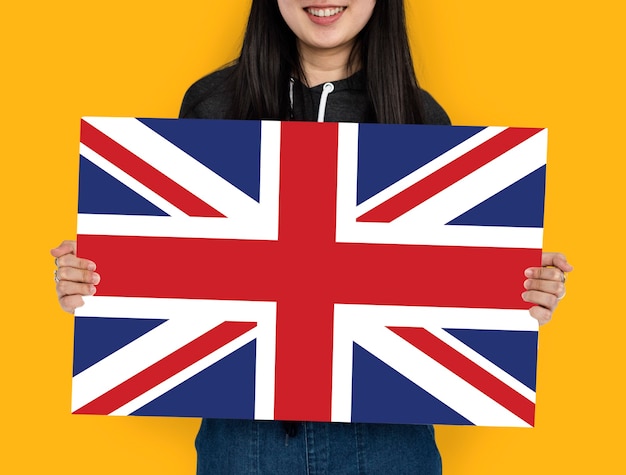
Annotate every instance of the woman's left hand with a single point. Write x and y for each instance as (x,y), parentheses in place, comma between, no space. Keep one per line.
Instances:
(545,286)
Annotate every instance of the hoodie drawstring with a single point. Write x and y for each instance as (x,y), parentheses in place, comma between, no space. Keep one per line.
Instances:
(291,81)
(326,90)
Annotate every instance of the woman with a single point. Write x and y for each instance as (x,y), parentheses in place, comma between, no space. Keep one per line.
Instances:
(338,60)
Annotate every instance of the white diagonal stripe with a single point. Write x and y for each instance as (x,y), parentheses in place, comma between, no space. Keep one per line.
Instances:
(249,219)
(135,357)
(434,378)
(428,169)
(483,362)
(365,325)
(481,184)
(186,320)
(426,224)
(185,374)
(175,164)
(129,181)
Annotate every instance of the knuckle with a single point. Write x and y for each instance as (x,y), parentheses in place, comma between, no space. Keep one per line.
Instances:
(86,264)
(63,287)
(62,274)
(531,296)
(67,289)
(85,276)
(552,301)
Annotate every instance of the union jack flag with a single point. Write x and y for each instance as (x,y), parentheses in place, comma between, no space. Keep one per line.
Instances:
(309,271)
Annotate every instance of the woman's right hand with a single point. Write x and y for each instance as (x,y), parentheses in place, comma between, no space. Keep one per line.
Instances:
(75,277)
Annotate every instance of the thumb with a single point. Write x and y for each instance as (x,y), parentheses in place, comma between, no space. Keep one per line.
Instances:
(66,247)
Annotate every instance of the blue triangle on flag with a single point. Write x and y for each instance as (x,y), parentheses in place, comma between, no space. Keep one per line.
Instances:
(381,394)
(229,148)
(100,193)
(96,337)
(224,390)
(388,153)
(513,351)
(520,204)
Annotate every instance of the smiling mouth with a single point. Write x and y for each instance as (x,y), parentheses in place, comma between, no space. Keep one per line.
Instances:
(325,12)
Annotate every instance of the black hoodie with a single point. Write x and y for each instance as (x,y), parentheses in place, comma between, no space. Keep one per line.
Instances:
(209,98)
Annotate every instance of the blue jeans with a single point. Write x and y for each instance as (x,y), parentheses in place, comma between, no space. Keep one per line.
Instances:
(264,447)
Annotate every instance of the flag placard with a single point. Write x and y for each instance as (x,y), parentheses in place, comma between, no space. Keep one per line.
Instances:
(308,271)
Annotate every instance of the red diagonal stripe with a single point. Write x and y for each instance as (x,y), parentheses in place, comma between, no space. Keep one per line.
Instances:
(149,176)
(166,368)
(447,175)
(469,371)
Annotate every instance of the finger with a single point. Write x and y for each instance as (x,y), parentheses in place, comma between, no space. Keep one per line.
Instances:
(69,303)
(545,273)
(541,314)
(74,274)
(66,288)
(70,260)
(544,299)
(556,259)
(65,255)
(556,288)
(66,247)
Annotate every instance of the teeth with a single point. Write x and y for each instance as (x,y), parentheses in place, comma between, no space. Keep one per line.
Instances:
(321,12)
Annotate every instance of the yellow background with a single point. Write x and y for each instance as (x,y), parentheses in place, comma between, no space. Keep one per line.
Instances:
(535,63)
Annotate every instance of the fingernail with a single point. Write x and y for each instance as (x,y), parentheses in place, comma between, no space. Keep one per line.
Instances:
(527,284)
(92,289)
(528,272)
(95,278)
(91,266)
(524,297)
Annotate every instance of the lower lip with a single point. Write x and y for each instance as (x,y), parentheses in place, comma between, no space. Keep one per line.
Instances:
(325,20)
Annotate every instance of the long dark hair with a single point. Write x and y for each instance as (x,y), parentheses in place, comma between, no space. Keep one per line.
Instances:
(269,58)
